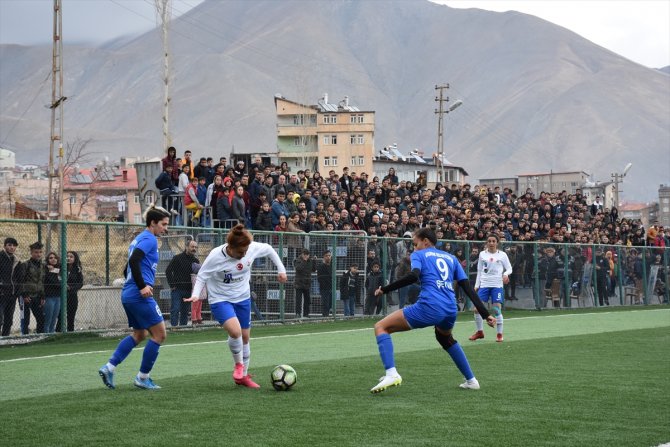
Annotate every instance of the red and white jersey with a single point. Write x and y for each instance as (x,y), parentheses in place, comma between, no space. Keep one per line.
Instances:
(227,278)
(491,267)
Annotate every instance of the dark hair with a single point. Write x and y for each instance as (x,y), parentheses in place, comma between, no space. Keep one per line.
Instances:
(426,233)
(155,214)
(36,246)
(55,255)
(493,235)
(11,240)
(77,260)
(239,236)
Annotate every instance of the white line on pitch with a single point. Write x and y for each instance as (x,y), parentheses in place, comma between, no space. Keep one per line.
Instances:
(309,334)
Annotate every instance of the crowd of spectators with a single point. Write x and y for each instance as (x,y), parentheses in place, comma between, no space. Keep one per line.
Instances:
(272,198)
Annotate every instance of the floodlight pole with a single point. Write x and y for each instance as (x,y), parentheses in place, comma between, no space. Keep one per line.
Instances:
(441,99)
(56,107)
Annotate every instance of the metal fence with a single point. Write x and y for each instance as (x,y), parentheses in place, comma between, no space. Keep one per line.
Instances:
(545,275)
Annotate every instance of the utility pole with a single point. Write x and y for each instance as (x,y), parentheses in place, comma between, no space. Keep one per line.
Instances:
(57,100)
(164,14)
(441,99)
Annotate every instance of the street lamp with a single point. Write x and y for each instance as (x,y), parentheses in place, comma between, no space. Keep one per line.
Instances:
(618,178)
(440,149)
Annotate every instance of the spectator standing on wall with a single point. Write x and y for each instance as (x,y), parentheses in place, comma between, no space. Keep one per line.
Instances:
(373,281)
(9,284)
(171,160)
(32,289)
(178,274)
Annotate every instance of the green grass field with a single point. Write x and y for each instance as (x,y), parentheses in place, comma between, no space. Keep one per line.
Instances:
(584,378)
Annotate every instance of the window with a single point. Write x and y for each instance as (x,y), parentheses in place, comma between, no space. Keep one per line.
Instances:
(356,139)
(298,141)
(298,120)
(73,198)
(333,161)
(136,197)
(330,139)
(356,119)
(84,197)
(326,161)
(137,218)
(329,119)
(330,161)
(357,160)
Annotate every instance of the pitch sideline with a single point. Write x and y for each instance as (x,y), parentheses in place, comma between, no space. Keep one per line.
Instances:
(309,334)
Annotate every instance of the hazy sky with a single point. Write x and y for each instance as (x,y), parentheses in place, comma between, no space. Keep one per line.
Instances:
(636,29)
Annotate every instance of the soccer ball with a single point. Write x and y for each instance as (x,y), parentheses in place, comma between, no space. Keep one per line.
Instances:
(283,377)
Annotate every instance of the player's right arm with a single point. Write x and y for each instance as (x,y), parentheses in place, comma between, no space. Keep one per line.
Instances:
(135,265)
(406,280)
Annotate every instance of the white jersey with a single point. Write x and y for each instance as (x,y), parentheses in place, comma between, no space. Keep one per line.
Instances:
(226,278)
(491,267)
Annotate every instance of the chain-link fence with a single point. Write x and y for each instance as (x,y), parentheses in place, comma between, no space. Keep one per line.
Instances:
(331,275)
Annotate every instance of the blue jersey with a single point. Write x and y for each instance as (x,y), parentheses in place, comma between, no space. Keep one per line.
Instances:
(439,270)
(148,243)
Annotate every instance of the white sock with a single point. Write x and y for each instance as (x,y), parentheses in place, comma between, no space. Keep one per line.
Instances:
(110,367)
(142,376)
(235,345)
(246,353)
(391,372)
(499,323)
(479,322)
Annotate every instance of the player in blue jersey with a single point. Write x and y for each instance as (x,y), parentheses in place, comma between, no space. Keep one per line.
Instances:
(437,270)
(138,302)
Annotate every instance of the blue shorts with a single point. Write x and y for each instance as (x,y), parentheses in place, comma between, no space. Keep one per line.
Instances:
(143,314)
(496,294)
(224,311)
(421,314)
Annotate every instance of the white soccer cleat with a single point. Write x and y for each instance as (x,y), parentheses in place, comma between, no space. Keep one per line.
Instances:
(471,384)
(386,382)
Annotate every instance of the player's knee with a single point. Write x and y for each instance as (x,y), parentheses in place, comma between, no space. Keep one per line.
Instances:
(495,311)
(446,341)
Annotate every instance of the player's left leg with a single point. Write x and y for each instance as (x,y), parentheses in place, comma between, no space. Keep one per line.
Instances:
(449,344)
(497,297)
(395,322)
(484,293)
(149,356)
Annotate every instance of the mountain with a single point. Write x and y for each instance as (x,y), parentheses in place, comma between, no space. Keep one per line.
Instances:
(536,96)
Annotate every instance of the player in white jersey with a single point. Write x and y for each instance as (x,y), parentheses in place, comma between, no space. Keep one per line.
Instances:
(226,272)
(493,270)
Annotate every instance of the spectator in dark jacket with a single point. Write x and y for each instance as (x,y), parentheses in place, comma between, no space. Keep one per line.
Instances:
(9,284)
(32,289)
(374,280)
(350,289)
(324,271)
(264,218)
(75,281)
(304,266)
(171,160)
(178,274)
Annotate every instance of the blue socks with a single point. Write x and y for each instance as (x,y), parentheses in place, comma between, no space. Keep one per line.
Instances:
(385,345)
(458,356)
(149,356)
(122,350)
